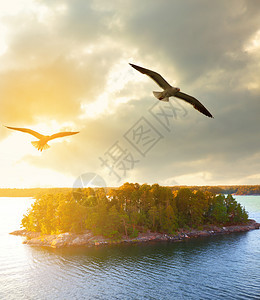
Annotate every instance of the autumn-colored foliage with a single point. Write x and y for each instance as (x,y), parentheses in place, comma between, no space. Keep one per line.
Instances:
(129,209)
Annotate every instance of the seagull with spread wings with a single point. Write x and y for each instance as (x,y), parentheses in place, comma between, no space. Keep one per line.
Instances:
(169,91)
(43,139)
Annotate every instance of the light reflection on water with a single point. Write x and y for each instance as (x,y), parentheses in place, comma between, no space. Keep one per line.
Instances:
(220,267)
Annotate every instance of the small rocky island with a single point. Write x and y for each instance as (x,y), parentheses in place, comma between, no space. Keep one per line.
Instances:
(131,213)
(87,238)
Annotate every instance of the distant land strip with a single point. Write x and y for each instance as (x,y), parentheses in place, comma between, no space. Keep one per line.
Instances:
(218,189)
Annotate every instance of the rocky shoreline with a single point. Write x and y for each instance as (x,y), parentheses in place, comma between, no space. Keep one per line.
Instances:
(69,239)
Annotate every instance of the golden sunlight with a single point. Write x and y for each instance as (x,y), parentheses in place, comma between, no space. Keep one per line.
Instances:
(254,43)
(107,102)
(17,146)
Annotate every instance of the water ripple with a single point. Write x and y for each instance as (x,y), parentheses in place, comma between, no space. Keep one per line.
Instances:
(221,267)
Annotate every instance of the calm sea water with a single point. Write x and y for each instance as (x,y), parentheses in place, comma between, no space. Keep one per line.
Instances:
(220,267)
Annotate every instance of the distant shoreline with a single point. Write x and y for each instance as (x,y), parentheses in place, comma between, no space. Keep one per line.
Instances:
(238,190)
(87,239)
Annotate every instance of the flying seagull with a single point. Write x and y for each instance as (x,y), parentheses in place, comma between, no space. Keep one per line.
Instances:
(169,91)
(43,139)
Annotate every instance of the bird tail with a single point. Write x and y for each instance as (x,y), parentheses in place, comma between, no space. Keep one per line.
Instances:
(39,146)
(159,96)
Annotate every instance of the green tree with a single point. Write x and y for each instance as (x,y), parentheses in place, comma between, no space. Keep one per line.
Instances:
(236,214)
(170,221)
(183,204)
(217,213)
(129,209)
(153,217)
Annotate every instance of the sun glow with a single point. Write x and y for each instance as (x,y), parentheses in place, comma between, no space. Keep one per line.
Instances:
(3,43)
(13,7)
(254,43)
(119,77)
(19,173)
(199,178)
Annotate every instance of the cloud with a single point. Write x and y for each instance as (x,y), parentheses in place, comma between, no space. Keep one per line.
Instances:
(65,56)
(56,61)
(194,36)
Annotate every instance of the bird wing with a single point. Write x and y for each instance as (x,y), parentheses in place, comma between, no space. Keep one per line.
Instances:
(193,101)
(32,132)
(61,134)
(155,76)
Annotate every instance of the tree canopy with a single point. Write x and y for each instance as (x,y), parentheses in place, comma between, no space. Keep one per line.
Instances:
(129,209)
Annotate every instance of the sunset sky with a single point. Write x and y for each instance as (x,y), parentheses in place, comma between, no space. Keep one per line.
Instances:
(64,67)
